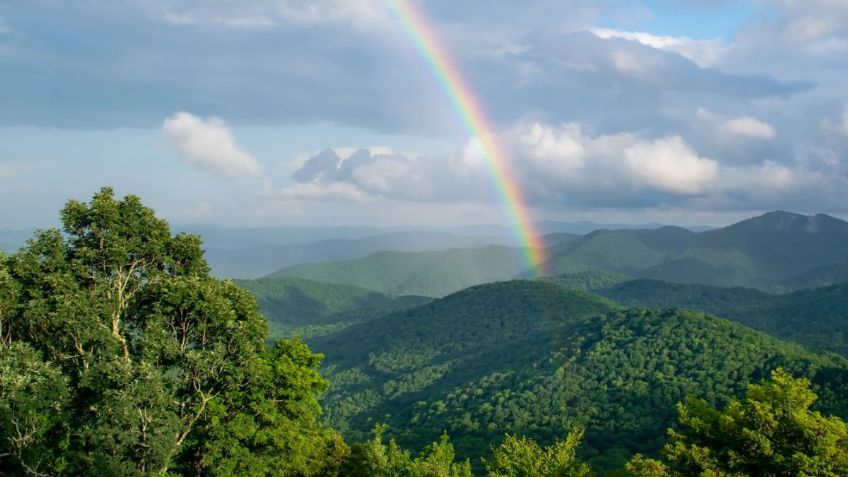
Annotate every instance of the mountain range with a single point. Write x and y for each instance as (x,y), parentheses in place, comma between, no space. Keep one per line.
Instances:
(536,358)
(252,252)
(776,252)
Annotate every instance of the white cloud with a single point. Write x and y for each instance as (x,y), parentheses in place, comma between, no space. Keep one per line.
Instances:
(345,152)
(558,149)
(209,143)
(750,127)
(336,191)
(565,158)
(670,165)
(552,161)
(742,126)
(705,53)
(360,14)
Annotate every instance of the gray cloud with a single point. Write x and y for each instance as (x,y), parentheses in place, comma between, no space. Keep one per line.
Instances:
(774,93)
(316,64)
(565,166)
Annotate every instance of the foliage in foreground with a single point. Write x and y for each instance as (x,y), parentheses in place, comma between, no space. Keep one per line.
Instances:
(376,459)
(120,355)
(523,457)
(771,432)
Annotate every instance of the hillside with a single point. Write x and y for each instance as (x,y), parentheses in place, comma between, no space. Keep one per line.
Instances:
(261,259)
(431,274)
(536,358)
(776,251)
(816,318)
(588,280)
(309,308)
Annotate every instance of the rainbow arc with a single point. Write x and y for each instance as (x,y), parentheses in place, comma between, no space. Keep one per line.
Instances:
(474,118)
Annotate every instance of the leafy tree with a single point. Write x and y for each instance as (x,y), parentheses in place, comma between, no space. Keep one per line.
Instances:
(376,459)
(247,427)
(33,412)
(523,457)
(122,356)
(639,466)
(772,432)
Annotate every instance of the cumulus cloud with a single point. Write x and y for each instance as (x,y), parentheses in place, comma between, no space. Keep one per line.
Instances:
(670,165)
(555,163)
(705,52)
(750,127)
(380,172)
(568,166)
(742,126)
(564,161)
(209,143)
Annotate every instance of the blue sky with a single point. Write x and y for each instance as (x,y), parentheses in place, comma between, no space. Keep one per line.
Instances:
(269,112)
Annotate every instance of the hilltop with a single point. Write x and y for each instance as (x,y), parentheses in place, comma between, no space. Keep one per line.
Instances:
(535,358)
(776,251)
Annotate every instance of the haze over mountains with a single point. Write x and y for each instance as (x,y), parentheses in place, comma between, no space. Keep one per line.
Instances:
(778,251)
(255,252)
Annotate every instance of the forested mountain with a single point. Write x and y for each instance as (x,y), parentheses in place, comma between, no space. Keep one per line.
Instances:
(815,318)
(535,358)
(776,251)
(262,259)
(309,308)
(256,252)
(433,274)
(235,238)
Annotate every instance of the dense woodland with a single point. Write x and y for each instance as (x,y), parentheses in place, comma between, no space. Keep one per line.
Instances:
(121,355)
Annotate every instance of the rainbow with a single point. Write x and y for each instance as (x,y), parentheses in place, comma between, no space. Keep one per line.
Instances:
(476,122)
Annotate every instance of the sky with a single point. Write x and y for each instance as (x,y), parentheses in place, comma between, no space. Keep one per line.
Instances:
(323,112)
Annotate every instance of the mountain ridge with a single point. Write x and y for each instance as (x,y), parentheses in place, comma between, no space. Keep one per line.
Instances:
(535,358)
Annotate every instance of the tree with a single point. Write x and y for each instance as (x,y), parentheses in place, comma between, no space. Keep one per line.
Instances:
(127,358)
(33,412)
(639,466)
(523,457)
(771,432)
(376,459)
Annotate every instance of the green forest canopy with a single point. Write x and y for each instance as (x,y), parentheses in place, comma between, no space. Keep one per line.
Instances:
(120,355)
